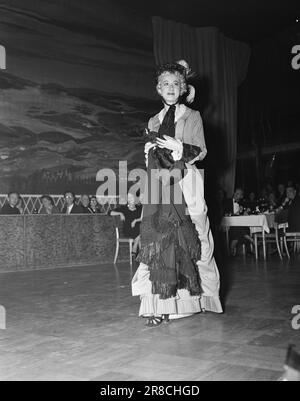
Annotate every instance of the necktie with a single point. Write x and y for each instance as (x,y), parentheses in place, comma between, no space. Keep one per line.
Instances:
(168,125)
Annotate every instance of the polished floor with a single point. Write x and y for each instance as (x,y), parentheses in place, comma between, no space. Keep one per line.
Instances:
(81,324)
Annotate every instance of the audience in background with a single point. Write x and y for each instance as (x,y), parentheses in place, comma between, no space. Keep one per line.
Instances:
(238,235)
(85,204)
(70,206)
(294,210)
(289,210)
(20,205)
(48,206)
(94,206)
(269,189)
(263,194)
(281,189)
(251,202)
(272,202)
(234,205)
(130,214)
(10,206)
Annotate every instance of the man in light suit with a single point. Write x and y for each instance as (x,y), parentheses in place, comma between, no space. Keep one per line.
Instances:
(70,205)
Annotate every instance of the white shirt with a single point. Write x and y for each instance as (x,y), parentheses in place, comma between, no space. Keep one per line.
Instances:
(236,207)
(69,208)
(179,112)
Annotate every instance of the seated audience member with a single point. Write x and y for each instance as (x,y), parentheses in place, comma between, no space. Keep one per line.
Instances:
(282,213)
(273,202)
(130,214)
(10,206)
(85,204)
(94,206)
(251,202)
(48,206)
(264,194)
(20,205)
(269,189)
(238,235)
(233,206)
(293,210)
(281,193)
(70,205)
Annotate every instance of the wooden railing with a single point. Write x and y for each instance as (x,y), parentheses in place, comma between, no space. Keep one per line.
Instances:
(31,204)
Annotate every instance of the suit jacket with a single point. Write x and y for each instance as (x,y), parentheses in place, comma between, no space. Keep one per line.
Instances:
(54,210)
(294,215)
(77,209)
(7,209)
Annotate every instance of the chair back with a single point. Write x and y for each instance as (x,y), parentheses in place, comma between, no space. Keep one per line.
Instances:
(119,226)
(281,226)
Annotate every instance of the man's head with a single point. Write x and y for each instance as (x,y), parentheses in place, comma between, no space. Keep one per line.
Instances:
(69,198)
(94,201)
(13,198)
(238,195)
(171,82)
(291,192)
(281,189)
(85,200)
(252,196)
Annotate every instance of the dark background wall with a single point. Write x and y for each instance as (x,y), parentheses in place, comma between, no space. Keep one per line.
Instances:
(269,111)
(77,91)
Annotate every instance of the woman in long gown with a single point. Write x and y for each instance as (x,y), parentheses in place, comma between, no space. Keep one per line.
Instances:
(177,275)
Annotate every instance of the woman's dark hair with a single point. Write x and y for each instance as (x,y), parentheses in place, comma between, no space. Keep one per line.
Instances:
(48,198)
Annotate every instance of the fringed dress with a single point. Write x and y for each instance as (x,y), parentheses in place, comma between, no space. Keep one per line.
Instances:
(177,274)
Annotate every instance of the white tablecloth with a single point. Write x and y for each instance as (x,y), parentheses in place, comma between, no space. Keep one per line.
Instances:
(254,222)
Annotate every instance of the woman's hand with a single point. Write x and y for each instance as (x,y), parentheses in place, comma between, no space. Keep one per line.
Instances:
(169,143)
(175,145)
(122,217)
(133,224)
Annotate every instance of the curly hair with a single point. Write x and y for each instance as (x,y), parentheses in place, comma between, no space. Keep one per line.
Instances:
(172,68)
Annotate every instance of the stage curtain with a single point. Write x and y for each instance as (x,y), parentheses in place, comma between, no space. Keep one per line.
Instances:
(222,66)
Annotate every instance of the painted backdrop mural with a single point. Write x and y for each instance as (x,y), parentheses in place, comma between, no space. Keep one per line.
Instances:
(77,91)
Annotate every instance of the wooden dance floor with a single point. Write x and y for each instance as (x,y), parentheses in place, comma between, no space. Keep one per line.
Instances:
(81,324)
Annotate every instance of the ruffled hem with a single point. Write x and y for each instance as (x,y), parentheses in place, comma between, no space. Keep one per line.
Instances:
(181,305)
(211,304)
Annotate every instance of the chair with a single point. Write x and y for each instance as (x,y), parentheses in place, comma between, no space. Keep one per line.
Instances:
(121,239)
(268,238)
(291,237)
